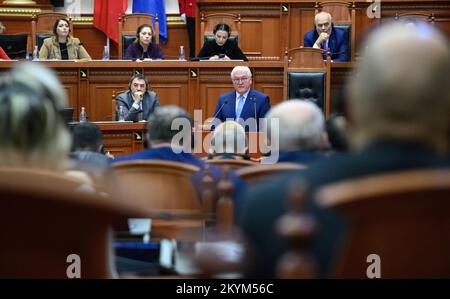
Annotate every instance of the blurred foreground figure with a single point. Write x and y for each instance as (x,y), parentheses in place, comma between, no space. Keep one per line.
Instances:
(31,123)
(400,107)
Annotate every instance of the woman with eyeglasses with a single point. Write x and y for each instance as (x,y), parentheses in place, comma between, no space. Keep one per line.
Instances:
(63,46)
(143,47)
(221,48)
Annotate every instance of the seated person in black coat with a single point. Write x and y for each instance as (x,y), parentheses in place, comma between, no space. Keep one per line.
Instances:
(221,48)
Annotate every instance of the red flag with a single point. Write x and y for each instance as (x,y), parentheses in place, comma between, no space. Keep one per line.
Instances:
(106,16)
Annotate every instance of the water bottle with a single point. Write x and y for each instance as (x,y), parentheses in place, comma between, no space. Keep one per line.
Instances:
(83,116)
(121,114)
(105,53)
(35,53)
(181,57)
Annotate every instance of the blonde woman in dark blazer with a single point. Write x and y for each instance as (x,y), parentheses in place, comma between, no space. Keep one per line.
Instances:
(63,46)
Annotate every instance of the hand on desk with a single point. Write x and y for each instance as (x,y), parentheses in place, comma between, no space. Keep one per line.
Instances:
(217,57)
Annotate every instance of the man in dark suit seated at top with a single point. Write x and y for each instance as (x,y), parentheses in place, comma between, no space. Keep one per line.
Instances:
(138,102)
(243,104)
(326,37)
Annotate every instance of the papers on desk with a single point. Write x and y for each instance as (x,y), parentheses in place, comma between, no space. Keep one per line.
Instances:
(56,60)
(112,122)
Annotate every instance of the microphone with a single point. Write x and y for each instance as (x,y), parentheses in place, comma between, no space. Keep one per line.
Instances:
(220,109)
(254,106)
(217,113)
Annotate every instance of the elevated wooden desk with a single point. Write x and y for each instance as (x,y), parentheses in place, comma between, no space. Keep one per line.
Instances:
(194,86)
(123,138)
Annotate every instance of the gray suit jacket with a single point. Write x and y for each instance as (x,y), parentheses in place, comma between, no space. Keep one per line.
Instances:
(149,103)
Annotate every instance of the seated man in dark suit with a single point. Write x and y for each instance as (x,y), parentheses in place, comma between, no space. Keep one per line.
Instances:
(401,121)
(326,37)
(245,105)
(138,102)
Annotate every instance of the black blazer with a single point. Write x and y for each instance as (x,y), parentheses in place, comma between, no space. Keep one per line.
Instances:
(230,48)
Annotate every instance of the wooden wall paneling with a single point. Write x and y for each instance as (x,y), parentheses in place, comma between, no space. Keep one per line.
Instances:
(177,37)
(270,82)
(83,94)
(300,22)
(268,14)
(93,40)
(340,75)
(122,139)
(171,85)
(102,83)
(193,95)
(213,83)
(72,96)
(253,37)
(69,79)
(363,25)
(99,107)
(272,46)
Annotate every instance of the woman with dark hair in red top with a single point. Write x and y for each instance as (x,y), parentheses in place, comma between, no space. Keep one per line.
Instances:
(3,55)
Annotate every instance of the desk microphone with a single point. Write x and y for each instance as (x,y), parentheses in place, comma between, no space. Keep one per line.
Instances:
(220,109)
(213,127)
(254,106)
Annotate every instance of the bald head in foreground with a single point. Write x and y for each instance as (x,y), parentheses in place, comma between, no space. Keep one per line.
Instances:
(400,107)
(402,89)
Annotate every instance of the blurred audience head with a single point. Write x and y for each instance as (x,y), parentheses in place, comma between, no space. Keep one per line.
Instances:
(87,137)
(31,123)
(167,122)
(2,28)
(42,79)
(229,137)
(337,132)
(401,89)
(309,94)
(301,125)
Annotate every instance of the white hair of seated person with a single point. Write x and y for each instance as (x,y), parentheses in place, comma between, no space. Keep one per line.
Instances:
(229,137)
(401,90)
(301,125)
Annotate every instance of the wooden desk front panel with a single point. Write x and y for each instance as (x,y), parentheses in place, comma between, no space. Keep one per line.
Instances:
(126,138)
(123,138)
(190,85)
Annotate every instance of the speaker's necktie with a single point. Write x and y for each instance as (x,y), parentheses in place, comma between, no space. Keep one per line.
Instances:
(240,106)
